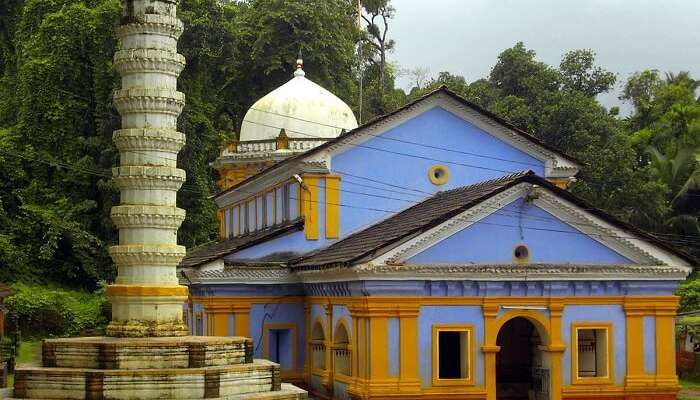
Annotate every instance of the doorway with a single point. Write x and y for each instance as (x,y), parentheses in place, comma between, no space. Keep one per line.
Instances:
(521,372)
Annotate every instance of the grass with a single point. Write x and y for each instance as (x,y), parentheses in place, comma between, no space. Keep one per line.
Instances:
(29,353)
(690,388)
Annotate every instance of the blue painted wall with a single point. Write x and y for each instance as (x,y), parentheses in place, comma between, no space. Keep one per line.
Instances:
(393,346)
(278,313)
(649,343)
(317,311)
(435,127)
(614,314)
(340,311)
(430,315)
(492,240)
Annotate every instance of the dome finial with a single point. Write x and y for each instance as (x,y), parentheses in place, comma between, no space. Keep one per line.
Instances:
(300,65)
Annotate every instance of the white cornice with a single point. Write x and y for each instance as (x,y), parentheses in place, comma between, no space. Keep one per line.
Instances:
(496,273)
(245,275)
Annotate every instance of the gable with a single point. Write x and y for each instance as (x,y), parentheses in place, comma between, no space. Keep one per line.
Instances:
(403,156)
(492,240)
(564,230)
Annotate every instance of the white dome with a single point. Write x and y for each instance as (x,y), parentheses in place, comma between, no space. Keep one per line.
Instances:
(304,109)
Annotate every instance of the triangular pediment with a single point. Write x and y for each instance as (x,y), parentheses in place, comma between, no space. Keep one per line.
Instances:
(552,230)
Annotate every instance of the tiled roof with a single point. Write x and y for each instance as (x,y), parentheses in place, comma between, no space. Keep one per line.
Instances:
(441,207)
(418,218)
(203,254)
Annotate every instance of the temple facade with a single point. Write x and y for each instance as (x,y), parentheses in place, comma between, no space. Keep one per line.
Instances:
(436,253)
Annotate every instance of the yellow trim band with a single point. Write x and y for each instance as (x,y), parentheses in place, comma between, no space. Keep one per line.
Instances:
(136,291)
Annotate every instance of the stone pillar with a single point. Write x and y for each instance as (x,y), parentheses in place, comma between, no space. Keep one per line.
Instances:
(146,297)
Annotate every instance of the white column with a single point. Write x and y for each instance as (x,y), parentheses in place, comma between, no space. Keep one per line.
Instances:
(146,297)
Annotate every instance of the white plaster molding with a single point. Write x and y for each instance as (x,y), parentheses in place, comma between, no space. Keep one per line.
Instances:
(148,177)
(535,272)
(148,60)
(266,275)
(154,24)
(147,139)
(147,254)
(145,100)
(147,216)
(625,243)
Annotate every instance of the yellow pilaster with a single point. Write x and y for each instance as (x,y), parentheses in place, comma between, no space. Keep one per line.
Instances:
(309,205)
(378,344)
(408,349)
(665,344)
(634,312)
(329,347)
(241,315)
(332,206)
(220,320)
(362,348)
(490,349)
(356,348)
(307,342)
(556,349)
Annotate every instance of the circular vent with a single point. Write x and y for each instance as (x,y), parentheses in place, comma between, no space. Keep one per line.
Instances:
(439,174)
(521,254)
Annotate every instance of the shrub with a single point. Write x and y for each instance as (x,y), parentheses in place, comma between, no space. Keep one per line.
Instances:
(40,311)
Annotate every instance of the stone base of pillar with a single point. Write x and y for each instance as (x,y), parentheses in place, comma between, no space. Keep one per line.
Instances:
(139,329)
(191,367)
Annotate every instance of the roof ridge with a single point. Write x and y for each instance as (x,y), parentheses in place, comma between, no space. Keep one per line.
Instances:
(509,177)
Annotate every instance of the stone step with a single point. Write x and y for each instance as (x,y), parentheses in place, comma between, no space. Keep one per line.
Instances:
(286,392)
(225,382)
(107,353)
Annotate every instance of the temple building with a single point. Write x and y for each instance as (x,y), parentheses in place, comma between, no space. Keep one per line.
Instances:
(432,253)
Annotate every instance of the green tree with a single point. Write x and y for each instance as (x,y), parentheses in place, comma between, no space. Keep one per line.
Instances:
(579,73)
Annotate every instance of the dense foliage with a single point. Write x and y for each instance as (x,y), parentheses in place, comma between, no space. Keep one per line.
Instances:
(44,311)
(56,118)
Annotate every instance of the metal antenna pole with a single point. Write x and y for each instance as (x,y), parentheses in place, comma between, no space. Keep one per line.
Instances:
(359,54)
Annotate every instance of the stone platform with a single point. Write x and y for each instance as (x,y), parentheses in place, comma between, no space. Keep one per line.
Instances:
(189,367)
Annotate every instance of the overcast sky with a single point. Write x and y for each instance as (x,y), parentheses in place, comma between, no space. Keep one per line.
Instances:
(465,36)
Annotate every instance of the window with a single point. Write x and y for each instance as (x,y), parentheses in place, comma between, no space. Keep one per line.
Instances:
(341,350)
(227,222)
(285,202)
(231,228)
(236,218)
(452,354)
(246,218)
(259,212)
(279,345)
(318,346)
(592,358)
